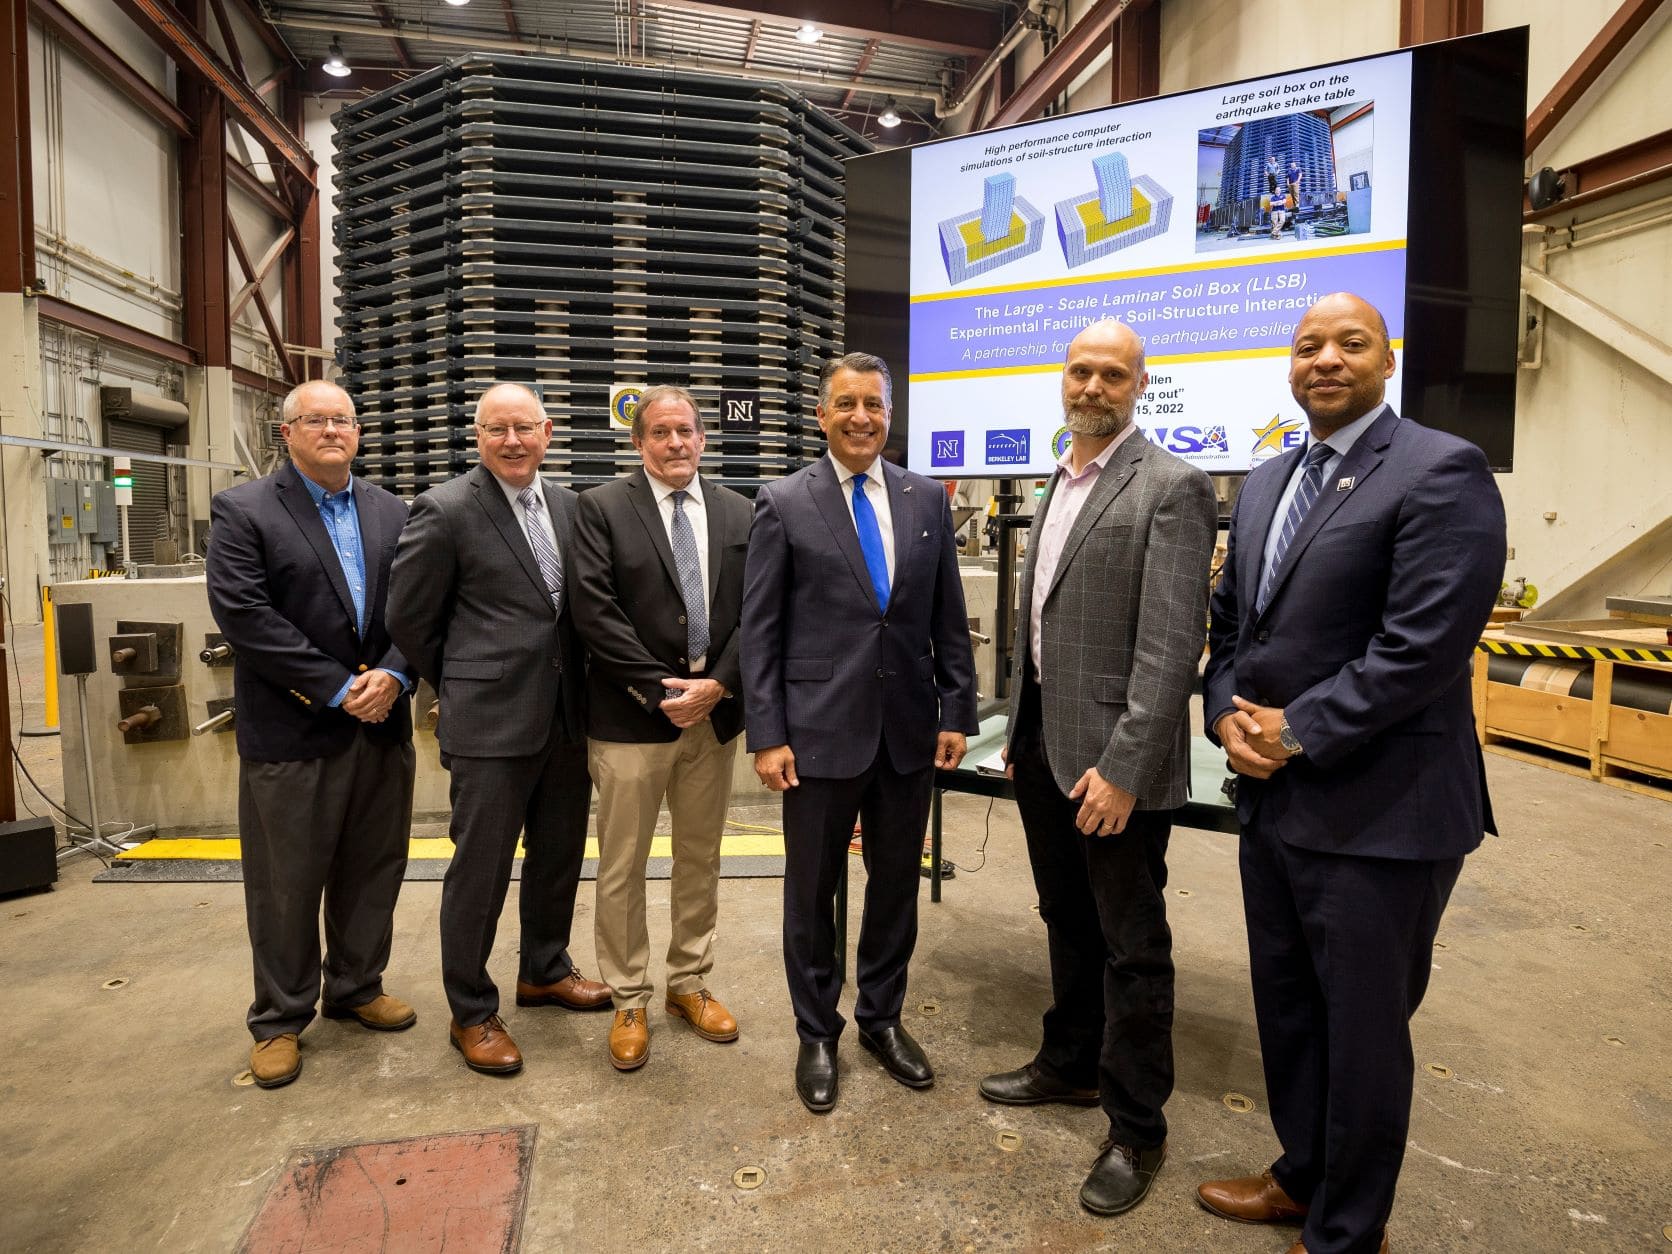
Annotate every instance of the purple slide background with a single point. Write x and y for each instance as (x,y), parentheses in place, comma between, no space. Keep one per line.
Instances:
(1378,276)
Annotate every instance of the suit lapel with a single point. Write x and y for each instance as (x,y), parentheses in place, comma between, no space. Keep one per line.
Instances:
(295,497)
(1118,471)
(1259,508)
(904,514)
(371,542)
(491,498)
(827,495)
(642,494)
(1359,464)
(712,507)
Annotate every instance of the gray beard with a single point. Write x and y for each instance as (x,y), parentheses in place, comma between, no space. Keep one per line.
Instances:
(1096,420)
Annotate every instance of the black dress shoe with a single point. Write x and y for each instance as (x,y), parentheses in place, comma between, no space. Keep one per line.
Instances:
(1032,1087)
(815,1075)
(900,1056)
(1120,1178)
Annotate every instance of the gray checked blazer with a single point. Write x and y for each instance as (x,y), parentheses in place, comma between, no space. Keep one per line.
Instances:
(1123,625)
(469,607)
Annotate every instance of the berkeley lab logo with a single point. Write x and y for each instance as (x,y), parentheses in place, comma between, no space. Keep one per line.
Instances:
(1007,448)
(946,448)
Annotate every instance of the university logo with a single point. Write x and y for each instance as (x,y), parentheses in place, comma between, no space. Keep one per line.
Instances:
(1008,447)
(1276,437)
(624,402)
(740,412)
(1060,442)
(946,448)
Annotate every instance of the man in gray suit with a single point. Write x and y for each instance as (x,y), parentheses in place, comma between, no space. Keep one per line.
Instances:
(1109,632)
(478,607)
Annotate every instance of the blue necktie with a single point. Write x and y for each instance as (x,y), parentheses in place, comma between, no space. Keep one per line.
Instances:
(870,542)
(689,565)
(1306,492)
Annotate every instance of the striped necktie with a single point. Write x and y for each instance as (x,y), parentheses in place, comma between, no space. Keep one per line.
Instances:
(1306,493)
(689,566)
(551,570)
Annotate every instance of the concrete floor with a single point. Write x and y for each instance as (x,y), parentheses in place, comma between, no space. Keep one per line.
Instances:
(121,1127)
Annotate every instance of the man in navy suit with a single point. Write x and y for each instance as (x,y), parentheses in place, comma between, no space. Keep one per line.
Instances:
(1359,572)
(298,573)
(858,682)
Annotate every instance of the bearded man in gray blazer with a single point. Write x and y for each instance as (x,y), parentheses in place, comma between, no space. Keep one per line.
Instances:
(1109,633)
(478,606)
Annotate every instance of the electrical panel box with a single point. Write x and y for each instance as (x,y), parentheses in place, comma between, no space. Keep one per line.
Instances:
(62,511)
(108,529)
(87,506)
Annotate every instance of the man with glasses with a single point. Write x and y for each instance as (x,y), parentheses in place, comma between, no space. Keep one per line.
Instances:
(297,570)
(478,601)
(658,586)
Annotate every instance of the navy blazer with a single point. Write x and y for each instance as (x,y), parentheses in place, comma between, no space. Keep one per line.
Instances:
(1366,642)
(277,592)
(824,670)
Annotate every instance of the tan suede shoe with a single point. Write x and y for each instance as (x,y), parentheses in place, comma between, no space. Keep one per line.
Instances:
(487,1047)
(707,1017)
(276,1061)
(382,1013)
(629,1040)
(574,992)
(1299,1247)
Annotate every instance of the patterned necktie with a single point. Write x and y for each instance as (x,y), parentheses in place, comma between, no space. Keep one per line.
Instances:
(1306,492)
(686,562)
(870,542)
(551,570)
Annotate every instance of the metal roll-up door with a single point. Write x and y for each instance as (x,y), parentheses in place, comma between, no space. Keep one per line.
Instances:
(148,515)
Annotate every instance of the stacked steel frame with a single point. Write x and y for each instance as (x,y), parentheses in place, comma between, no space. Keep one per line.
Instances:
(575,226)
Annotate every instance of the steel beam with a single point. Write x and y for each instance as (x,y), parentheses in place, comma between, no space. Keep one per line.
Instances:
(1648,160)
(919,23)
(262,307)
(510,19)
(1135,68)
(1625,338)
(384,18)
(1426,21)
(1082,45)
(1587,68)
(264,31)
(170,31)
(17,208)
(263,268)
(247,181)
(57,20)
(229,36)
(860,66)
(61,311)
(247,378)
(203,225)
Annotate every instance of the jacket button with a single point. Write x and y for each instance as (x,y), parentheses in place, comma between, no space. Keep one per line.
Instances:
(557,663)
(879,672)
(682,620)
(1262,636)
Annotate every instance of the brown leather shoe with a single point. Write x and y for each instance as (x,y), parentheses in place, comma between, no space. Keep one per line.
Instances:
(487,1047)
(629,1040)
(276,1061)
(1300,1248)
(703,1011)
(1250,1200)
(574,992)
(382,1013)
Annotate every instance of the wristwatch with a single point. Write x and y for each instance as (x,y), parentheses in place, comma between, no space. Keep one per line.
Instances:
(1286,737)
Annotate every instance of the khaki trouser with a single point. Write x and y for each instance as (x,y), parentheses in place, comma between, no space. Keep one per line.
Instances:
(694,773)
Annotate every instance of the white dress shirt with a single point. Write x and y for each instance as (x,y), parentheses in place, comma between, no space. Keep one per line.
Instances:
(1068,498)
(876,492)
(697,515)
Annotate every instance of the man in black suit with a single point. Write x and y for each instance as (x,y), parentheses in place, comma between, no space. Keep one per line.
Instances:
(1359,572)
(658,585)
(477,601)
(858,682)
(298,570)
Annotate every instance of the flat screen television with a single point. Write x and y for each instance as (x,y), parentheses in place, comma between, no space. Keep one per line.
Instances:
(1208,221)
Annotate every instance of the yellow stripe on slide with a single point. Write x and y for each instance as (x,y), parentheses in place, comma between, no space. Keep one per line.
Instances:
(225,849)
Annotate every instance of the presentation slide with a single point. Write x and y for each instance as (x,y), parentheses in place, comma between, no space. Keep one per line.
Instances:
(1208,222)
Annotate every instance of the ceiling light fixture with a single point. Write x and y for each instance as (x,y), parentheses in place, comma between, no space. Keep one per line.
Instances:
(334,65)
(890,116)
(458,4)
(807,33)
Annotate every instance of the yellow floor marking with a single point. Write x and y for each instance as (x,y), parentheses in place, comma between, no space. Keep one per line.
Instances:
(225,849)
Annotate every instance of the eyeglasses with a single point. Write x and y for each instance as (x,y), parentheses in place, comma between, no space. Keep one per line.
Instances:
(495,431)
(318,422)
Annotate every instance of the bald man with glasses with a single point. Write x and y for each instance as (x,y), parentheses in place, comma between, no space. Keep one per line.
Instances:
(479,602)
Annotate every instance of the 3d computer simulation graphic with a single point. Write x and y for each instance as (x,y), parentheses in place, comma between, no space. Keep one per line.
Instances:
(1005,229)
(1121,212)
